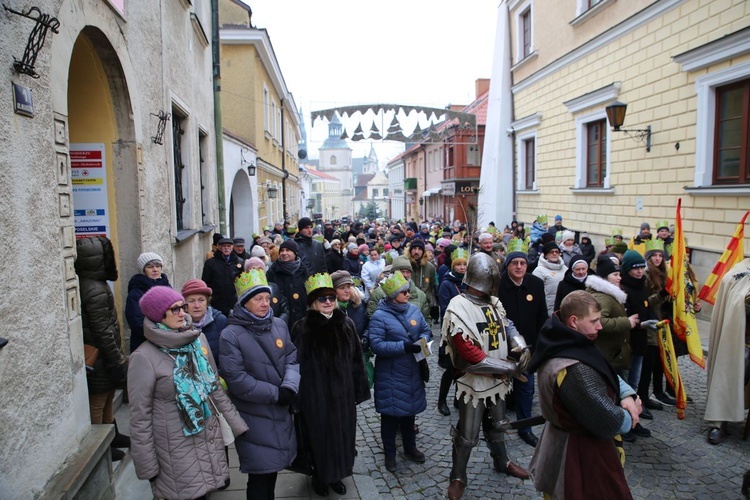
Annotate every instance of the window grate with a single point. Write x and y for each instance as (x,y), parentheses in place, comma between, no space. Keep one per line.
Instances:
(179,168)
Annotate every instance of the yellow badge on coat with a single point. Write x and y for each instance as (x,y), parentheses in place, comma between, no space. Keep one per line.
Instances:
(274,300)
(645,303)
(529,297)
(413,322)
(204,350)
(295,296)
(279,343)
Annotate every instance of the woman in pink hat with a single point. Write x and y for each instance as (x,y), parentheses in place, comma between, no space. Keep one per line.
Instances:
(206,318)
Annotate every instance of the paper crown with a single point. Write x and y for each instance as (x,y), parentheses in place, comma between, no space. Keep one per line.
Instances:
(248,280)
(516,245)
(316,281)
(291,229)
(616,231)
(609,241)
(357,281)
(662,224)
(558,236)
(267,228)
(393,283)
(459,253)
(319,238)
(542,219)
(492,230)
(655,244)
(256,235)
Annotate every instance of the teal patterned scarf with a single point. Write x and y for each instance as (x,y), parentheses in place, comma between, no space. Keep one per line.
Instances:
(194,380)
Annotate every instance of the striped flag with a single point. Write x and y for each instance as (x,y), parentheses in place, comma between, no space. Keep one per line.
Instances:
(732,255)
(671,369)
(681,288)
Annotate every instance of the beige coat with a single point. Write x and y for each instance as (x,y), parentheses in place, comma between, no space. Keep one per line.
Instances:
(181,466)
(726,349)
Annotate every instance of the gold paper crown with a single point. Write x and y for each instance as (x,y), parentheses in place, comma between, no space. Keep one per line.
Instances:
(609,241)
(320,280)
(492,230)
(250,279)
(616,231)
(655,244)
(662,223)
(393,283)
(291,229)
(542,219)
(516,245)
(319,238)
(460,253)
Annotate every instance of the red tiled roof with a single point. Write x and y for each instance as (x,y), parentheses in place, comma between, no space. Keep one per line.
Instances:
(321,175)
(363,179)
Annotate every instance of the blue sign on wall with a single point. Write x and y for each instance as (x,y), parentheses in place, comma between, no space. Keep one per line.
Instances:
(23,103)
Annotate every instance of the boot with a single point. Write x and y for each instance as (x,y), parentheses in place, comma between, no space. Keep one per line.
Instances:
(442,407)
(120,440)
(117,455)
(746,485)
(456,489)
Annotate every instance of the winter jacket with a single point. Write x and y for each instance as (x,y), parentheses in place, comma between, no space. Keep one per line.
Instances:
(358,314)
(334,261)
(588,251)
(184,466)
(637,303)
(257,359)
(450,286)
(332,383)
(219,274)
(138,285)
(292,287)
(370,272)
(352,264)
(638,244)
(212,330)
(551,274)
(312,253)
(535,251)
(614,337)
(424,276)
(525,305)
(416,297)
(95,265)
(279,304)
(399,389)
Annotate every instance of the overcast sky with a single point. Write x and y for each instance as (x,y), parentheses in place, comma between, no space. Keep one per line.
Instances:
(345,52)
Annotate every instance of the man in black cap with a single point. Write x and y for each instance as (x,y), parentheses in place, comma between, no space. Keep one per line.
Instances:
(239,248)
(289,274)
(311,252)
(219,274)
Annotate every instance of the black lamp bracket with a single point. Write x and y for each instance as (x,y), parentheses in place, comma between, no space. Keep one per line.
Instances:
(163,119)
(35,42)
(640,135)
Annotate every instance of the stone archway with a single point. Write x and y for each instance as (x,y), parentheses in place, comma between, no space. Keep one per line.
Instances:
(241,207)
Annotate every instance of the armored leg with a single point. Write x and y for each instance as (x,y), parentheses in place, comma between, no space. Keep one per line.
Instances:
(465,437)
(493,418)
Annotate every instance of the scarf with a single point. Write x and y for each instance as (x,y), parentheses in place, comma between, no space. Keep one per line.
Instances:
(343,305)
(401,308)
(194,381)
(289,267)
(206,319)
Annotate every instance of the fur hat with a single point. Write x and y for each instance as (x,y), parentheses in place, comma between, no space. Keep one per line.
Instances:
(605,266)
(157,300)
(290,245)
(146,258)
(195,286)
(632,260)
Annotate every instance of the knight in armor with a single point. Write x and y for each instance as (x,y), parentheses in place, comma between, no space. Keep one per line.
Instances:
(479,339)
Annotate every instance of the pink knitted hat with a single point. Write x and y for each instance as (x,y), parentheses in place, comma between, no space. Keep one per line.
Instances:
(157,300)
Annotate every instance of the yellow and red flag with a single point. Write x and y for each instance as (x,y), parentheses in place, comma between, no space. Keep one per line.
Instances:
(669,362)
(732,255)
(682,290)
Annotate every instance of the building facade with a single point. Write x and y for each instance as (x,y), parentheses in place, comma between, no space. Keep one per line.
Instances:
(335,159)
(110,138)
(683,69)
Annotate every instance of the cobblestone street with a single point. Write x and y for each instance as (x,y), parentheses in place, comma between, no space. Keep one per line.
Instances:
(675,462)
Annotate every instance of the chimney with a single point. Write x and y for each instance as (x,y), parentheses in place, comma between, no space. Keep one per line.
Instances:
(482,85)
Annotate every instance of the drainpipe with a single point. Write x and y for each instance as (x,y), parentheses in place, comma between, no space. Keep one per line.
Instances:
(285,174)
(218,129)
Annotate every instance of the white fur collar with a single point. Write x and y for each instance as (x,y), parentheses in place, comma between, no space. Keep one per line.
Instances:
(601,285)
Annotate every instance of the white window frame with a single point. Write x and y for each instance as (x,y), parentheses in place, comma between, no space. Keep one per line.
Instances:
(705,87)
(266,109)
(521,139)
(581,137)
(520,10)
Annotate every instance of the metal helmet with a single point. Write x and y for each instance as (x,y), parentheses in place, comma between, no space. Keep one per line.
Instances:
(482,273)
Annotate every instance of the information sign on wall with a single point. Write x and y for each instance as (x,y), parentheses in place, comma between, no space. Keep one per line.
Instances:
(88,169)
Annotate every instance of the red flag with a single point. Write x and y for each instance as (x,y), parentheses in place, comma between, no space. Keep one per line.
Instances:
(733,254)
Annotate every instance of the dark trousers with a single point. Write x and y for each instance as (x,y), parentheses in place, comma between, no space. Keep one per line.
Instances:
(445,384)
(524,392)
(651,363)
(389,426)
(261,486)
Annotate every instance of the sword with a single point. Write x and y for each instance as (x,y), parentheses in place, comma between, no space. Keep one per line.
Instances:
(506,425)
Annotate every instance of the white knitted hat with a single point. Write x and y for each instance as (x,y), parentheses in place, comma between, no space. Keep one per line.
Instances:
(146,257)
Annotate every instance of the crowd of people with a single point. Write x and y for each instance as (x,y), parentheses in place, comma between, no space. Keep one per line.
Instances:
(274,346)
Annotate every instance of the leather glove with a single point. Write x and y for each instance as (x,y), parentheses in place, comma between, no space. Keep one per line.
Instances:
(413,348)
(285,396)
(649,324)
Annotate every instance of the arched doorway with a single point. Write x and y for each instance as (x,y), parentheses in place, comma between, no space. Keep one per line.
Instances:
(103,150)
(241,207)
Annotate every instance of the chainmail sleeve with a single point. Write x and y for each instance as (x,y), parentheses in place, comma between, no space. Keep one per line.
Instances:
(584,394)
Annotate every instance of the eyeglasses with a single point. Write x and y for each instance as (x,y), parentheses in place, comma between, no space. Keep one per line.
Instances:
(176,309)
(326,298)
(405,292)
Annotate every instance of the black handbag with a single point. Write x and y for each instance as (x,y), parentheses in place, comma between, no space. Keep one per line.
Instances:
(424,371)
(444,359)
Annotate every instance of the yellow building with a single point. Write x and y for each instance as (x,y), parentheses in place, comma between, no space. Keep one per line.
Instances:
(683,69)
(261,124)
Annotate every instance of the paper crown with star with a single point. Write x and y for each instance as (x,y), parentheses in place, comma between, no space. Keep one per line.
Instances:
(516,245)
(662,224)
(542,219)
(395,284)
(459,253)
(317,281)
(655,244)
(250,283)
(616,231)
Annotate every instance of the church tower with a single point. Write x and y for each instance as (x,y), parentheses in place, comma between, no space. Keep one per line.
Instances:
(335,158)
